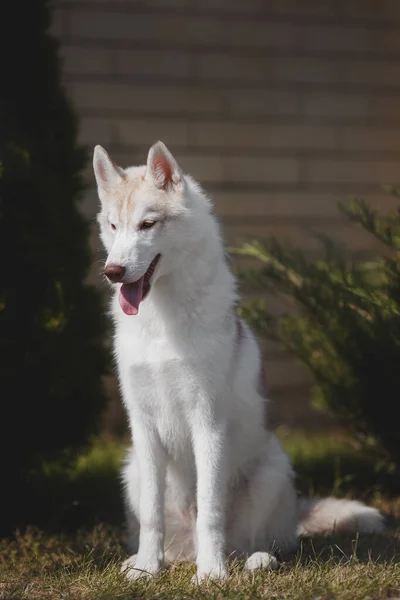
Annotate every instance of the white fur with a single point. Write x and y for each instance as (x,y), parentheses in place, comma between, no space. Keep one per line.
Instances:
(327,515)
(205,479)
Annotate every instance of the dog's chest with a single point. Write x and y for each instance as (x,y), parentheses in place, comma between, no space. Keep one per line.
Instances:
(160,385)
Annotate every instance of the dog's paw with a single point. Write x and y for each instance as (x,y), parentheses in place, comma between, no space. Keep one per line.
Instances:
(212,572)
(128,566)
(132,569)
(261,560)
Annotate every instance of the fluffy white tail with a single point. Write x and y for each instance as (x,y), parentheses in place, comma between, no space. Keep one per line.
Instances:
(322,516)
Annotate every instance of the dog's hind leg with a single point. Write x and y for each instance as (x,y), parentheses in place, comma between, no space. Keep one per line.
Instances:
(263,510)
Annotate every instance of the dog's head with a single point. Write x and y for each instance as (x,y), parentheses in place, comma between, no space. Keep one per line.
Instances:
(143,212)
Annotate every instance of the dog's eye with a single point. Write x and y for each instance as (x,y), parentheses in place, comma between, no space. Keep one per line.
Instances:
(113,227)
(147,224)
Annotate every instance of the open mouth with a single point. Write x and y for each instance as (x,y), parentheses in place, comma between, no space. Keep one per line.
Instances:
(132,294)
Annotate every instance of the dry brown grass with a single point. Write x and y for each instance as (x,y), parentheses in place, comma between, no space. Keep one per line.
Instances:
(36,566)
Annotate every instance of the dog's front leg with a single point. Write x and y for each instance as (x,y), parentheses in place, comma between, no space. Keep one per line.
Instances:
(210,456)
(152,466)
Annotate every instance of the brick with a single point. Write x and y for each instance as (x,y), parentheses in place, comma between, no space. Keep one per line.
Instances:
(323,8)
(234,6)
(386,107)
(388,172)
(161,62)
(188,30)
(384,203)
(168,3)
(205,169)
(253,68)
(361,8)
(287,233)
(386,40)
(128,26)
(146,131)
(355,106)
(294,205)
(341,171)
(260,33)
(260,169)
(86,60)
(253,135)
(277,204)
(305,70)
(162,99)
(108,25)
(370,138)
(389,9)
(94,131)
(262,102)
(351,237)
(270,68)
(99,4)
(373,72)
(335,38)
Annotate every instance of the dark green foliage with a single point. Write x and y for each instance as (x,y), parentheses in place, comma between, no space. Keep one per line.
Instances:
(346,329)
(52,354)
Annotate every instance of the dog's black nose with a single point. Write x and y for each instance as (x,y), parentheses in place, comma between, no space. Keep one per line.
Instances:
(114,272)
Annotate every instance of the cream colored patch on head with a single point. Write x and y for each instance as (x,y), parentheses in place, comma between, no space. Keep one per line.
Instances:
(125,194)
(136,190)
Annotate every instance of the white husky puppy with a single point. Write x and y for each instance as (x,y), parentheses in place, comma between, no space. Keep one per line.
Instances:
(205,479)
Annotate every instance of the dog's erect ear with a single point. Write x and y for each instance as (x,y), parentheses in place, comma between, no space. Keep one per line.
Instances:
(106,171)
(162,168)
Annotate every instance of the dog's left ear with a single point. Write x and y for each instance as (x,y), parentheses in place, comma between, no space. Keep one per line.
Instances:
(106,171)
(162,168)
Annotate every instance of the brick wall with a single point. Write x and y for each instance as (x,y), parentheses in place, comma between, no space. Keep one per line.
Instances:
(279,107)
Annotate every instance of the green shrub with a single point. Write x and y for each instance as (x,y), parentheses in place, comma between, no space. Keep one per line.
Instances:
(346,329)
(51,322)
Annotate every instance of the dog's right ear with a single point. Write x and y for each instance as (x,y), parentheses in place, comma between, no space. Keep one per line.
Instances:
(107,174)
(162,168)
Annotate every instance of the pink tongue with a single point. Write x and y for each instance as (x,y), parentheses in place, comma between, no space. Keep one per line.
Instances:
(130,296)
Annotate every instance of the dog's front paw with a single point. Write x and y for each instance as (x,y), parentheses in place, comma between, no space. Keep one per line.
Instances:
(133,568)
(128,565)
(210,572)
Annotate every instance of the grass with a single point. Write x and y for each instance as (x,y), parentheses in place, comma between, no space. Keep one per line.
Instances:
(58,561)
(36,566)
